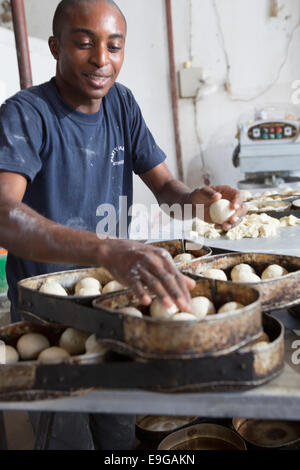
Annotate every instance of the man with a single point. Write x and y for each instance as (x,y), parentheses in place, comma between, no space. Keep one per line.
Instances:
(57,165)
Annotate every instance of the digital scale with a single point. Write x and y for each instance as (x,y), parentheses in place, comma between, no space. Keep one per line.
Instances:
(269,148)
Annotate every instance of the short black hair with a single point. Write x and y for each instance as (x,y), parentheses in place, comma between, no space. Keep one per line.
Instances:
(64,5)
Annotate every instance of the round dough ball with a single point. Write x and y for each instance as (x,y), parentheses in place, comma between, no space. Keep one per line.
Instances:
(88,283)
(87,291)
(94,345)
(215,274)
(53,287)
(296,203)
(11,355)
(73,341)
(183,258)
(134,312)
(112,286)
(157,310)
(202,306)
(53,354)
(29,346)
(240,272)
(272,271)
(220,211)
(230,307)
(183,316)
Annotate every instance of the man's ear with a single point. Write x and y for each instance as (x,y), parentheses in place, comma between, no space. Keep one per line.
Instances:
(54,47)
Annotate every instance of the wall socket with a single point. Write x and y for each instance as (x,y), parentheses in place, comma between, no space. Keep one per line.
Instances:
(190,81)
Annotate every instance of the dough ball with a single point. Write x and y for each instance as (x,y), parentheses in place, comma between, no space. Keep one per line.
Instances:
(73,341)
(112,286)
(202,306)
(11,355)
(52,354)
(220,211)
(134,312)
(183,316)
(53,287)
(30,345)
(230,307)
(296,203)
(87,291)
(88,283)
(183,258)
(94,345)
(274,270)
(157,310)
(241,272)
(249,277)
(215,274)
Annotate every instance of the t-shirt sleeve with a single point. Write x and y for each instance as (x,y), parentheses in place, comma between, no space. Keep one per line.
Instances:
(146,154)
(20,138)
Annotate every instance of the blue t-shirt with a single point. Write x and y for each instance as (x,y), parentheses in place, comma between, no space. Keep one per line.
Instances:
(73,161)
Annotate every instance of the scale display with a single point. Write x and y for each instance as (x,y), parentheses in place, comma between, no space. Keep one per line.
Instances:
(273,131)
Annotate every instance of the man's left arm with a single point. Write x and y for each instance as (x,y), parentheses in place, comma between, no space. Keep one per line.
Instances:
(168,190)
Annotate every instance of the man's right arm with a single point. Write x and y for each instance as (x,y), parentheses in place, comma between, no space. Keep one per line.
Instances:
(28,235)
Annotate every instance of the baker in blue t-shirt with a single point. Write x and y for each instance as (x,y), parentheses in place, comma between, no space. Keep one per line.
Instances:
(72,144)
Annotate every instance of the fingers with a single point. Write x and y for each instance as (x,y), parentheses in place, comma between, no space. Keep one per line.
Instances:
(207,195)
(161,277)
(236,218)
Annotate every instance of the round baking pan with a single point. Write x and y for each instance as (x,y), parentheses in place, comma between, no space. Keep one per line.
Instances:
(155,428)
(68,280)
(217,334)
(268,434)
(203,437)
(275,293)
(267,206)
(21,375)
(178,247)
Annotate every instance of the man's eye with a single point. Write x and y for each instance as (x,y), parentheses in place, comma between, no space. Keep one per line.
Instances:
(84,45)
(115,48)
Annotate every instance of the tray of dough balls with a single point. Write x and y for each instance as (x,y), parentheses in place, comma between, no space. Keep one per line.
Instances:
(80,285)
(222,319)
(182,250)
(128,327)
(31,373)
(276,277)
(29,351)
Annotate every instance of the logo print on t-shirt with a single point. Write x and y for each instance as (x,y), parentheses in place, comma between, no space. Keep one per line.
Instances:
(116,155)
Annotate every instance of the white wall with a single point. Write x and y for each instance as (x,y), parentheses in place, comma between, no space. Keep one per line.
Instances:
(256,46)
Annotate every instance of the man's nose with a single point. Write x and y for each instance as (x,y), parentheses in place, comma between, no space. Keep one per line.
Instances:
(100,55)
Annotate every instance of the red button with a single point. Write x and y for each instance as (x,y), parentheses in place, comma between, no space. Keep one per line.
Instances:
(272,129)
(279,129)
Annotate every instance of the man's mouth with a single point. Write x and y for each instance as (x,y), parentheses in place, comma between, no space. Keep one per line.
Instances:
(97,81)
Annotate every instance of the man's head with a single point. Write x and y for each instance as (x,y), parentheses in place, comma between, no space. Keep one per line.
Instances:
(88,44)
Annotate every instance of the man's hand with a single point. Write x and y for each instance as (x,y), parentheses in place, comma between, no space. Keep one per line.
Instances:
(210,194)
(138,266)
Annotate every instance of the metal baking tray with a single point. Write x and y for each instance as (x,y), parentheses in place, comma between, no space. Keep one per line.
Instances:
(179,246)
(68,280)
(203,436)
(242,369)
(22,375)
(264,434)
(275,293)
(155,428)
(151,338)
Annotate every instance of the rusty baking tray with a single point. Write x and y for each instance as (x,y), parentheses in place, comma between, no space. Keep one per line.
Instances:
(204,436)
(266,434)
(151,337)
(179,246)
(68,280)
(243,369)
(275,293)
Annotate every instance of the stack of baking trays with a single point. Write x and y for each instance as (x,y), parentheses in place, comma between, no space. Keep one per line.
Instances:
(217,352)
